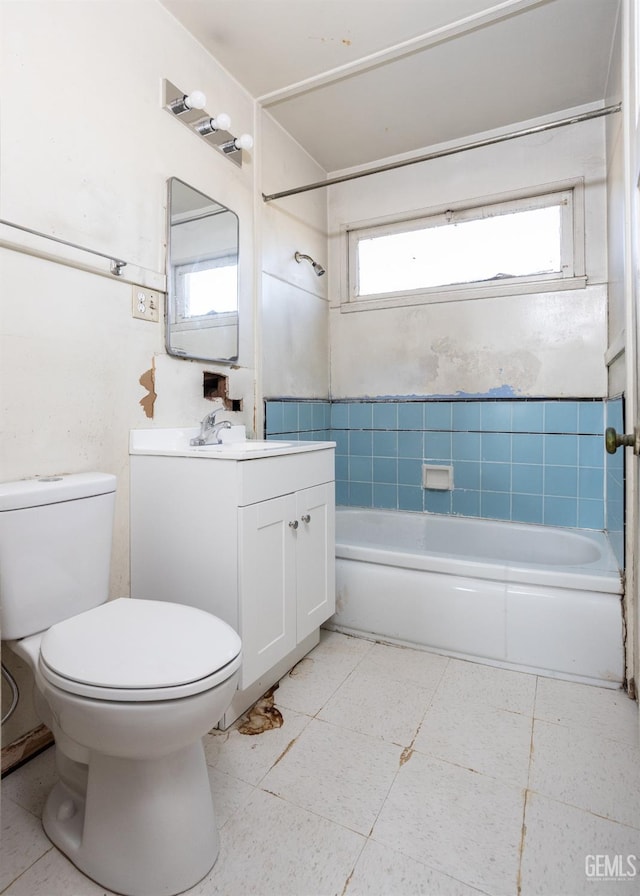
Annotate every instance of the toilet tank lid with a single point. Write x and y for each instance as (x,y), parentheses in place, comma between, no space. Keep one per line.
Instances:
(54,489)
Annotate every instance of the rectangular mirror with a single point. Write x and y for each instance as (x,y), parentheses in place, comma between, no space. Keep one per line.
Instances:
(202,316)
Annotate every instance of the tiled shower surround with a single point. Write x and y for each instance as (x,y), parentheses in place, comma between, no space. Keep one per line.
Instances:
(533,461)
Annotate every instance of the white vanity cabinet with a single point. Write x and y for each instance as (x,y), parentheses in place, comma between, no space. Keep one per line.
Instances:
(251,540)
(286,574)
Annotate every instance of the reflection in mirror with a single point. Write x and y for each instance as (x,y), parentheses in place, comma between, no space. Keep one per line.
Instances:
(202,276)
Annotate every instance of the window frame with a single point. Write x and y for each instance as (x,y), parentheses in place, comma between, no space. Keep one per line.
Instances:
(569,194)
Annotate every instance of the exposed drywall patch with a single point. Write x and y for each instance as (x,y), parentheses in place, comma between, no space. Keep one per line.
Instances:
(215,387)
(148,382)
(263,715)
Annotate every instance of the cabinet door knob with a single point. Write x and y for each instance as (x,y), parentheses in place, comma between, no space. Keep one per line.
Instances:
(293,524)
(306,517)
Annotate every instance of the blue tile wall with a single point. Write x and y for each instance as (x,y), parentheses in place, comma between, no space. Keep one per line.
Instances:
(298,420)
(532,461)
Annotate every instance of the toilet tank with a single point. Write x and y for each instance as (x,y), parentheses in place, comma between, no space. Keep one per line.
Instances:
(55,549)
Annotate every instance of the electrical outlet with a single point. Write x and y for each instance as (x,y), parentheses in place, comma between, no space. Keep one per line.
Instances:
(145,303)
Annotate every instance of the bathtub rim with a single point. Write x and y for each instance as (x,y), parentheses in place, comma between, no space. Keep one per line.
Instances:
(602,575)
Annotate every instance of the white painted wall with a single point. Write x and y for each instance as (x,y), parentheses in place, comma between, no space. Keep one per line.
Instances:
(294,322)
(537,345)
(85,153)
(616,205)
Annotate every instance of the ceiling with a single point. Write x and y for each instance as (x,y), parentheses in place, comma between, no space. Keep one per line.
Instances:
(357,81)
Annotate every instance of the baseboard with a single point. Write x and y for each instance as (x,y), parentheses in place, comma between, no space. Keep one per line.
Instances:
(25,748)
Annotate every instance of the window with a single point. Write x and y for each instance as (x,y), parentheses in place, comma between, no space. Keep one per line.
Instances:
(206,287)
(522,245)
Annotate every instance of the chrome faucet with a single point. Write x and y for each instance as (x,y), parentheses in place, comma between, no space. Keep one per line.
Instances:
(210,430)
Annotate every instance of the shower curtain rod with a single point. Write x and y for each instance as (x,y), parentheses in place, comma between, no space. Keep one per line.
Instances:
(439,154)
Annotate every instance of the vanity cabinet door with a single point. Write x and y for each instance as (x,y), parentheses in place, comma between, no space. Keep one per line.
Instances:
(267,584)
(315,557)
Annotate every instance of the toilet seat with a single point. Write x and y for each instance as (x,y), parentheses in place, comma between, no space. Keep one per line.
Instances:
(130,650)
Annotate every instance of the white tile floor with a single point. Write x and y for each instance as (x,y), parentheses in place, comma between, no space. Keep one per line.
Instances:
(398,773)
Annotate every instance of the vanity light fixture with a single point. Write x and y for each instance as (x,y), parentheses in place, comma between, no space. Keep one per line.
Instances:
(244,141)
(181,104)
(206,126)
(319,270)
(189,109)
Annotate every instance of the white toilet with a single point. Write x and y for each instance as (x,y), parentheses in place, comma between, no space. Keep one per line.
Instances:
(128,688)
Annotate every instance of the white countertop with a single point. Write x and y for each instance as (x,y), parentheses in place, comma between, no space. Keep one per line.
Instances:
(175,443)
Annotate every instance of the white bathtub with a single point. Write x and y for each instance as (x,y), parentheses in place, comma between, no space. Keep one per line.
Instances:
(533,598)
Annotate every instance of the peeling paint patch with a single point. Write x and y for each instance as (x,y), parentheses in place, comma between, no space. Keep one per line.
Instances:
(263,715)
(483,367)
(504,391)
(497,392)
(148,382)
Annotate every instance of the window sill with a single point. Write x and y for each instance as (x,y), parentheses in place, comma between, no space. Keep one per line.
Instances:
(462,294)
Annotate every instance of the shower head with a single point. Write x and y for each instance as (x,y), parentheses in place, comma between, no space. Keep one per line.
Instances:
(319,270)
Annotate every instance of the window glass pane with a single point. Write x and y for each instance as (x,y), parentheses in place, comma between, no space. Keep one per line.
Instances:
(212,291)
(209,290)
(520,244)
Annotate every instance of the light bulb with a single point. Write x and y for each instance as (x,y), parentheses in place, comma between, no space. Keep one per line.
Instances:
(244,141)
(210,125)
(195,100)
(221,122)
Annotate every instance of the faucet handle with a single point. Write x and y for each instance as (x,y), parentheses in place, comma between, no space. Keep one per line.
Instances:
(212,414)
(210,418)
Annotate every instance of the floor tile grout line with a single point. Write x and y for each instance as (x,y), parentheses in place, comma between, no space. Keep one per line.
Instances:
(349,876)
(513,785)
(523,834)
(433,868)
(342,681)
(523,829)
(51,848)
(406,754)
(313,812)
(533,721)
(607,818)
(571,726)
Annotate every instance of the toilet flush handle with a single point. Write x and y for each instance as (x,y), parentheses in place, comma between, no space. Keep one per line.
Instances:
(614,440)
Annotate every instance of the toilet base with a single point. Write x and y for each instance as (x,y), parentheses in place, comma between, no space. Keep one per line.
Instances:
(144,827)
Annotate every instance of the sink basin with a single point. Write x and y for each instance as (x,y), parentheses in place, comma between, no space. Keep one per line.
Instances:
(243,447)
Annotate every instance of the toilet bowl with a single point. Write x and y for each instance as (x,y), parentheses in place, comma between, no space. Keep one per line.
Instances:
(128,689)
